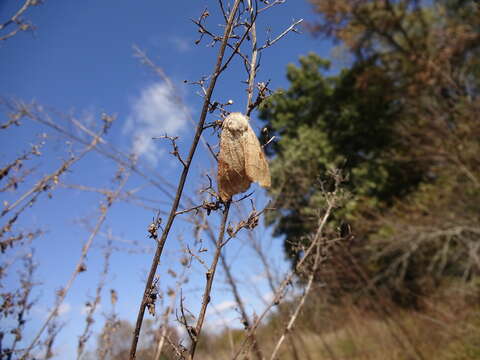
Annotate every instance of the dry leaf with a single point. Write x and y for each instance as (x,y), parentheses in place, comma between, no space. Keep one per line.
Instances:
(113,296)
(241,160)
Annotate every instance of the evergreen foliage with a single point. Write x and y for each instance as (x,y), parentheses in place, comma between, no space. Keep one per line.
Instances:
(402,122)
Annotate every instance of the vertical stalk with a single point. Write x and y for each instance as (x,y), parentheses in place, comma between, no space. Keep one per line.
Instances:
(236,294)
(183,177)
(253,62)
(208,287)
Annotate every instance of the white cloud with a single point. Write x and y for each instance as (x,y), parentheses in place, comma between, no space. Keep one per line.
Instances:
(255,279)
(43,312)
(153,114)
(221,309)
(223,306)
(268,296)
(216,326)
(181,44)
(64,308)
(89,118)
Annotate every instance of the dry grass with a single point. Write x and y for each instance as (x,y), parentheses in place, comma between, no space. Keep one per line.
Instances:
(447,328)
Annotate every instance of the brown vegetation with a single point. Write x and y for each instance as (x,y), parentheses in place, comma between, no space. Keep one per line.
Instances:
(385,252)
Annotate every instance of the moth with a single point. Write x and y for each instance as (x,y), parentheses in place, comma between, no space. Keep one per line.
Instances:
(241,160)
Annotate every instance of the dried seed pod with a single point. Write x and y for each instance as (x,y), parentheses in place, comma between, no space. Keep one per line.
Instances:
(241,160)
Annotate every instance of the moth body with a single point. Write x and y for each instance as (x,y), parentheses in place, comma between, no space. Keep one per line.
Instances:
(241,160)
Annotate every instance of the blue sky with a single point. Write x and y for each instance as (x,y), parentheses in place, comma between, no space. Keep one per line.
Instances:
(80,62)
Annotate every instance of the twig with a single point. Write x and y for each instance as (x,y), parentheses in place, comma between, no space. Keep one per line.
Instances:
(306,292)
(215,156)
(173,89)
(35,112)
(276,2)
(236,47)
(287,280)
(111,325)
(44,183)
(92,305)
(24,304)
(183,177)
(193,255)
(80,267)
(208,286)
(175,152)
(21,25)
(236,294)
(168,311)
(253,63)
(54,329)
(206,205)
(285,32)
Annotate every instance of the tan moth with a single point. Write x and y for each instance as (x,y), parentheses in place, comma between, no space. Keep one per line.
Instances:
(241,160)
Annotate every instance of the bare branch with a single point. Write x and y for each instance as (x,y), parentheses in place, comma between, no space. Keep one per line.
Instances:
(285,32)
(93,305)
(175,151)
(288,279)
(15,19)
(216,73)
(210,275)
(79,268)
(266,7)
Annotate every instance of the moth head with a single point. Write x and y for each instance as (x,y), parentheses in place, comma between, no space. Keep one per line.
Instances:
(236,122)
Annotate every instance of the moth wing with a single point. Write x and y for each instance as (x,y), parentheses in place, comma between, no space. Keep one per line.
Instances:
(256,165)
(232,178)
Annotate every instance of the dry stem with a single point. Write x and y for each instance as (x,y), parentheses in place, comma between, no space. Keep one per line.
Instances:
(236,294)
(15,19)
(80,267)
(287,280)
(92,306)
(216,73)
(210,275)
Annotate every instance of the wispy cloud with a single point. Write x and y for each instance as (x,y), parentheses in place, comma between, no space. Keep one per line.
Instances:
(221,315)
(181,44)
(44,312)
(153,113)
(64,309)
(255,279)
(268,296)
(223,306)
